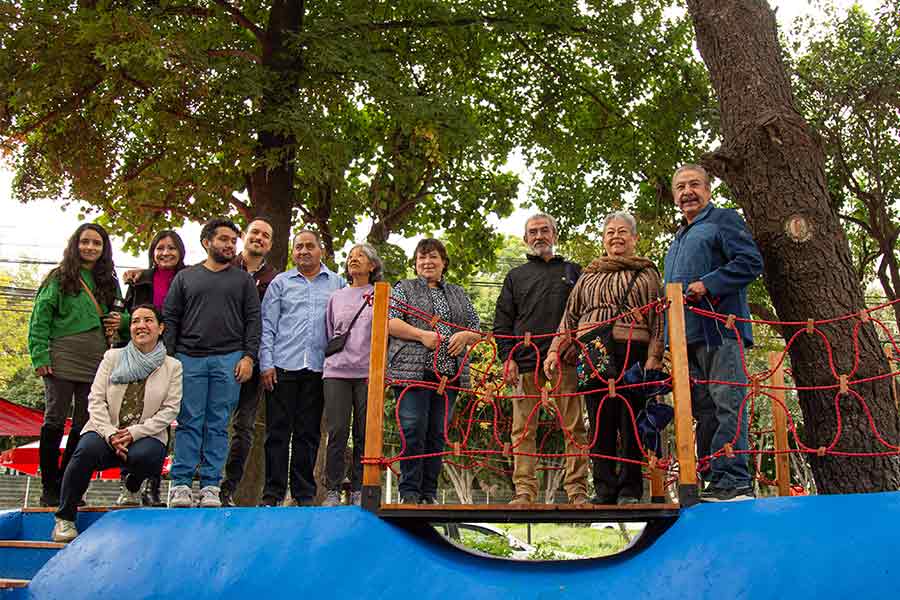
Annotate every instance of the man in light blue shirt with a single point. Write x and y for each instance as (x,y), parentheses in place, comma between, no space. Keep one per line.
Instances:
(291,357)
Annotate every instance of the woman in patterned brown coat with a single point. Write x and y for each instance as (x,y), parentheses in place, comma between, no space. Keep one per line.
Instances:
(595,299)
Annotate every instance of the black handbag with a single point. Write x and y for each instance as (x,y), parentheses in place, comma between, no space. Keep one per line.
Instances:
(596,356)
(337,343)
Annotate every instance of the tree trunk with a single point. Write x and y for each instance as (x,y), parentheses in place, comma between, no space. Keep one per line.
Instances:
(271,191)
(272,188)
(462,480)
(775,168)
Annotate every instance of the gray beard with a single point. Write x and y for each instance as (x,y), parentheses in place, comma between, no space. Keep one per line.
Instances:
(534,252)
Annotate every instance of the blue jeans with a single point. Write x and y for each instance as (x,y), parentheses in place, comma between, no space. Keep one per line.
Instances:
(422,421)
(209,395)
(716,409)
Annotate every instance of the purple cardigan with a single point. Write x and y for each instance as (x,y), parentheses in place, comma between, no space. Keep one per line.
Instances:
(353,361)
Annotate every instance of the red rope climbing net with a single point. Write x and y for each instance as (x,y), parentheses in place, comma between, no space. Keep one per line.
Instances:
(479,406)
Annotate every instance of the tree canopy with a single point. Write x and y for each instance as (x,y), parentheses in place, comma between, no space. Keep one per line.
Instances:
(398,114)
(847,81)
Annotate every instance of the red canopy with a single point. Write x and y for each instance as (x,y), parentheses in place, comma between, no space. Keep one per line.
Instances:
(26,459)
(24,421)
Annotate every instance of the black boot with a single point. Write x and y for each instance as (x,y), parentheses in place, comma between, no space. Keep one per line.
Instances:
(48,455)
(71,445)
(150,496)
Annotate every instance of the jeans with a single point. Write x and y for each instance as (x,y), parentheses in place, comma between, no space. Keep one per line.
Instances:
(209,394)
(716,409)
(343,397)
(293,422)
(243,422)
(422,419)
(613,478)
(145,459)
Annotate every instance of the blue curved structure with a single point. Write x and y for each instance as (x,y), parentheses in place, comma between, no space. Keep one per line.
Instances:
(812,547)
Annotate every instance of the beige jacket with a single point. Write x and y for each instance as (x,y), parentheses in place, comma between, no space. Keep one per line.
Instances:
(162,400)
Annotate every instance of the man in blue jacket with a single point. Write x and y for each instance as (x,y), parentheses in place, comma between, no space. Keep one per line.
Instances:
(715,258)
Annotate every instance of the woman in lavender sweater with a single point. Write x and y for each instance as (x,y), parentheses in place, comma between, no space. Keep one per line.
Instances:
(346,372)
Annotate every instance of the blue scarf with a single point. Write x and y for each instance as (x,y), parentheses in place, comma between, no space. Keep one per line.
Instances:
(134,365)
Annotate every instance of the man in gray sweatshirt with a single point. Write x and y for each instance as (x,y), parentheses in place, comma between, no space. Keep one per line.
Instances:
(212,320)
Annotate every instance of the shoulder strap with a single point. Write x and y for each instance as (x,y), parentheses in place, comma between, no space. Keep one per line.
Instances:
(630,287)
(356,316)
(91,296)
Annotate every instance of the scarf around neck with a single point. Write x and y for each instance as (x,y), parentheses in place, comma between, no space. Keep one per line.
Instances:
(611,264)
(134,365)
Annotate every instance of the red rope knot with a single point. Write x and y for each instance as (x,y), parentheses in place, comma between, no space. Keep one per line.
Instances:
(434,321)
(442,386)
(756,384)
(611,386)
(729,322)
(843,385)
(488,397)
(457,449)
(810,326)
(507,449)
(527,339)
(864,316)
(820,451)
(729,450)
(637,315)
(548,403)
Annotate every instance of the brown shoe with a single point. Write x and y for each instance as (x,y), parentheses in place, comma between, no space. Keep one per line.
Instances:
(522,499)
(578,499)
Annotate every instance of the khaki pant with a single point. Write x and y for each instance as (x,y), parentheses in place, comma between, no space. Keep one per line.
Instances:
(570,410)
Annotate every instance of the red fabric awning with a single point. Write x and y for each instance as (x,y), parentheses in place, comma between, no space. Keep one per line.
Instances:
(21,420)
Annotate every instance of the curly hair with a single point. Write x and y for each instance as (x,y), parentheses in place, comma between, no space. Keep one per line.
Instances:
(69,270)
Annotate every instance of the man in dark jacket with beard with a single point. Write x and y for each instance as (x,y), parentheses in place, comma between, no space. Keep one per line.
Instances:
(532,301)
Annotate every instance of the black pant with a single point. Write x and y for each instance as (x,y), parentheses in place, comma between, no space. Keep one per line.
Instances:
(243,422)
(343,397)
(293,419)
(145,459)
(615,421)
(60,395)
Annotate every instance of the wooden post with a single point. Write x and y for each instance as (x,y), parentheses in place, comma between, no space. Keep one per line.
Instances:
(657,485)
(892,366)
(779,418)
(371,496)
(685,446)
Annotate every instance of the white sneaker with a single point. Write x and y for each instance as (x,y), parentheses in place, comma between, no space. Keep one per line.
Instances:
(63,531)
(209,497)
(180,497)
(332,498)
(128,498)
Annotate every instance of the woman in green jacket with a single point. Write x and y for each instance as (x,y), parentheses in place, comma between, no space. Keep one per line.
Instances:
(71,327)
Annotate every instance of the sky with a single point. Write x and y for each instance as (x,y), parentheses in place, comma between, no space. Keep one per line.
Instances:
(39,230)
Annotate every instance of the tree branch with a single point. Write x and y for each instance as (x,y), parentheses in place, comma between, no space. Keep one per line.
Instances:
(859,222)
(238,53)
(241,19)
(766,314)
(241,206)
(67,106)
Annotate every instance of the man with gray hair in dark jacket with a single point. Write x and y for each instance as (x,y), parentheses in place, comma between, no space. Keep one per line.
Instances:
(532,301)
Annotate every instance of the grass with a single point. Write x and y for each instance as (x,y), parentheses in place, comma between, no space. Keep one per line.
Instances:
(581,540)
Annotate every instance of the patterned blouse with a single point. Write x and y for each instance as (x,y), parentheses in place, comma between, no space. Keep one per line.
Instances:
(447,365)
